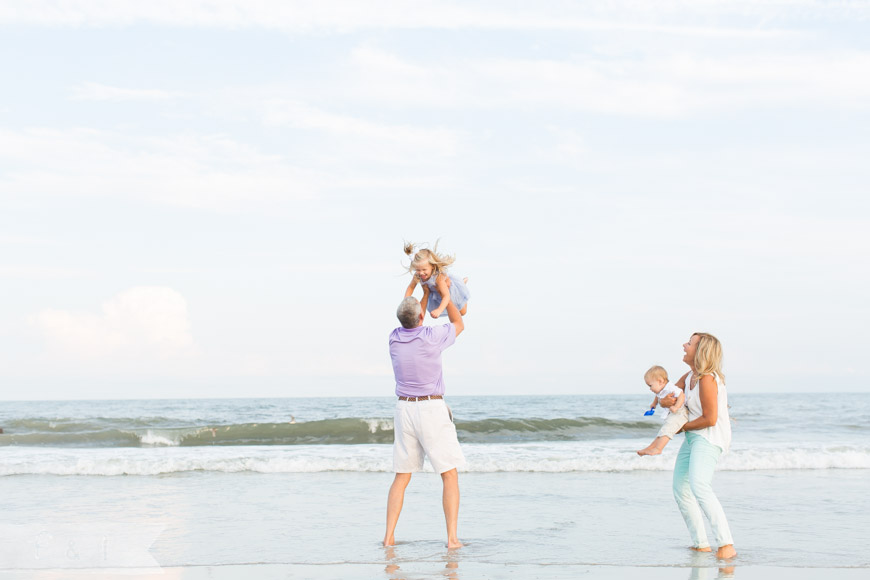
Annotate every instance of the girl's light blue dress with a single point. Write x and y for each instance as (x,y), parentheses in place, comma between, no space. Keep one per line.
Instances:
(459,293)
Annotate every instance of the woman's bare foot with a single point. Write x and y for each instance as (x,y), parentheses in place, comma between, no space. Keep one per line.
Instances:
(707,549)
(389,541)
(726,552)
(453,544)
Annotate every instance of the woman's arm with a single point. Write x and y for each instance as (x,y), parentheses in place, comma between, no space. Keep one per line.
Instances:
(411,286)
(444,290)
(709,396)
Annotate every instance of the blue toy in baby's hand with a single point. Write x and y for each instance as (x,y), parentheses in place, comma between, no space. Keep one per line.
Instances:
(650,412)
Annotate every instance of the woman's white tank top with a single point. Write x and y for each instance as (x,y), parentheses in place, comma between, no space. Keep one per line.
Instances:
(720,433)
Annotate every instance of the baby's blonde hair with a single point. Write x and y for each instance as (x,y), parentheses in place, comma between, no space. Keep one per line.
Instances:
(655,372)
(438,261)
(708,356)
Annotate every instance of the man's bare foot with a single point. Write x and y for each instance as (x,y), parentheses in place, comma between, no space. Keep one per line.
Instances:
(453,544)
(707,549)
(651,450)
(726,552)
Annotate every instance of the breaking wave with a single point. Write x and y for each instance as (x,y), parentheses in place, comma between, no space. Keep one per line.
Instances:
(345,431)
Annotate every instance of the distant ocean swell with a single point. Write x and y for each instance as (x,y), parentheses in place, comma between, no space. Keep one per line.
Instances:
(347,431)
(482,458)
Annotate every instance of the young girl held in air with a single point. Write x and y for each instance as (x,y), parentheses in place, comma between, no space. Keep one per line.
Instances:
(439,288)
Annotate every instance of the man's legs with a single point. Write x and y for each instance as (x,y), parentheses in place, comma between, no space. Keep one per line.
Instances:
(394,505)
(451,506)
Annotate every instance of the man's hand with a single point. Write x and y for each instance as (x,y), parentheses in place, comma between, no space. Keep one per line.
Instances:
(668,401)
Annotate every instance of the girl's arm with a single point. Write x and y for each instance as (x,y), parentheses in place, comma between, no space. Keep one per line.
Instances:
(411,286)
(444,290)
(425,300)
(709,396)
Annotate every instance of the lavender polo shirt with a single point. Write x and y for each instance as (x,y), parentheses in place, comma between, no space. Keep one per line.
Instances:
(416,354)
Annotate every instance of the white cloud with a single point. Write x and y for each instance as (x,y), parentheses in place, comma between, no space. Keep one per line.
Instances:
(139,323)
(99,92)
(18,240)
(384,142)
(656,82)
(348,15)
(218,173)
(202,171)
(39,273)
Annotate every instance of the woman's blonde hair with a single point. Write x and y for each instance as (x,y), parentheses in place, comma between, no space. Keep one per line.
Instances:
(438,261)
(708,356)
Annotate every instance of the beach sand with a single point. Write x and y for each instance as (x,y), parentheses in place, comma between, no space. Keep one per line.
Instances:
(516,525)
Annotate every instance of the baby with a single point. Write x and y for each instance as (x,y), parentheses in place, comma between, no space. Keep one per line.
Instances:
(656,379)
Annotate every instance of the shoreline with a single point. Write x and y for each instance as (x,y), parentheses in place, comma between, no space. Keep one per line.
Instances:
(450,567)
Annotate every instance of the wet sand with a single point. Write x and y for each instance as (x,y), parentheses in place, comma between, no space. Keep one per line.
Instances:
(451,567)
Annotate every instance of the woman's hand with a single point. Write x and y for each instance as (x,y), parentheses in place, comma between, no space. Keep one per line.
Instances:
(668,401)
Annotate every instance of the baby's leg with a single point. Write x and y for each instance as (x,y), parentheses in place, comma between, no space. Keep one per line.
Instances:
(464,309)
(673,423)
(655,448)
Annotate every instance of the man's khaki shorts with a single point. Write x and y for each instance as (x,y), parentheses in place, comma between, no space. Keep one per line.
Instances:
(425,428)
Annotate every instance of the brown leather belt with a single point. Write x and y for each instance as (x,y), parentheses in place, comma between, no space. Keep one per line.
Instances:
(426,398)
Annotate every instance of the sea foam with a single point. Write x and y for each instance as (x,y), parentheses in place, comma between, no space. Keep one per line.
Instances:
(557,458)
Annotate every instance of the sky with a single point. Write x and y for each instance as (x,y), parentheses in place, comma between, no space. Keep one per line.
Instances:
(209,198)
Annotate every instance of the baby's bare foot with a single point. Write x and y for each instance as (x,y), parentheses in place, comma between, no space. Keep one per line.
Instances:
(651,450)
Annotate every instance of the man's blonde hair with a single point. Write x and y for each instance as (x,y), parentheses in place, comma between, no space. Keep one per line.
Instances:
(708,357)
(655,372)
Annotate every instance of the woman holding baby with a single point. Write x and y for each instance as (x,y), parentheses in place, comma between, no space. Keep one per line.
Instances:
(708,436)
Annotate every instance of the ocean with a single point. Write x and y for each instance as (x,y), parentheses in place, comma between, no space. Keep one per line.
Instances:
(552,487)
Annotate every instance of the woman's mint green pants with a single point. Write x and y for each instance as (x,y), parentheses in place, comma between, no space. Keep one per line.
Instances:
(693,490)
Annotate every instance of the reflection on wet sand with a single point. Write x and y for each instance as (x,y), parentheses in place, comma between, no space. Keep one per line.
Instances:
(394,571)
(711,573)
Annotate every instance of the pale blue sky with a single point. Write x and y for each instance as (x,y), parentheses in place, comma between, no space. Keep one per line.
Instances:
(209,199)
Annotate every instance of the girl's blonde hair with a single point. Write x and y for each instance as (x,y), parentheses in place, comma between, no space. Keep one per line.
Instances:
(708,356)
(438,261)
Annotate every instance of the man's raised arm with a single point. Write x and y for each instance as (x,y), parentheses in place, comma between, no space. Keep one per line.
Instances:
(454,317)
